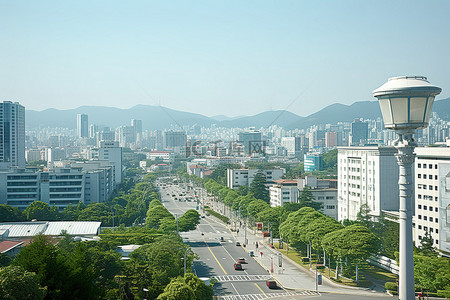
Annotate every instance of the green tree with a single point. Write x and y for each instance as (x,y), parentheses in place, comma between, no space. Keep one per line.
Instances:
(189,220)
(41,211)
(431,273)
(41,257)
(10,214)
(274,216)
(257,206)
(19,284)
(258,187)
(426,244)
(97,212)
(292,206)
(177,289)
(306,199)
(201,290)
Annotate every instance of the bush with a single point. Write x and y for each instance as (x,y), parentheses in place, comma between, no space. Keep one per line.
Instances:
(391,286)
(218,216)
(305,259)
(320,267)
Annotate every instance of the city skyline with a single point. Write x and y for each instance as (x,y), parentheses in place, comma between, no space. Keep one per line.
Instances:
(217,58)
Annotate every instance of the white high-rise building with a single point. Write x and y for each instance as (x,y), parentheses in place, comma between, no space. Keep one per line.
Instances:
(432,196)
(367,175)
(283,191)
(82,126)
(113,153)
(12,135)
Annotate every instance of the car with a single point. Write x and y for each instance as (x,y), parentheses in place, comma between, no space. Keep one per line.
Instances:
(241,260)
(202,216)
(237,243)
(238,266)
(271,284)
(221,239)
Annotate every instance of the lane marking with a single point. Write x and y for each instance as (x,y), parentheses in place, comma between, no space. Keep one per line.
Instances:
(260,289)
(215,257)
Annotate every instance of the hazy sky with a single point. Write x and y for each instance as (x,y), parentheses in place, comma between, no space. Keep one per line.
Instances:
(217,57)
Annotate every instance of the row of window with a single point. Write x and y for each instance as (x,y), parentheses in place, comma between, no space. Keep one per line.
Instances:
(426,228)
(426,197)
(425,218)
(424,186)
(429,176)
(429,208)
(424,166)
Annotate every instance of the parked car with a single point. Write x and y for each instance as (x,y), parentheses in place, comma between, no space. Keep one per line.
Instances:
(237,243)
(221,239)
(238,266)
(241,260)
(271,284)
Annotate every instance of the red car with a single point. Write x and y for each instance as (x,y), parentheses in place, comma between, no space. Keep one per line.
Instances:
(238,266)
(271,284)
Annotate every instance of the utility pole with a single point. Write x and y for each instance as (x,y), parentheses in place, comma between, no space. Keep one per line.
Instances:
(176,217)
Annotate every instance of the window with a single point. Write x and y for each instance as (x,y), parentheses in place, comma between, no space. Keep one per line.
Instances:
(424,166)
(435,198)
(435,177)
(420,226)
(430,176)
(420,217)
(425,207)
(425,228)
(419,165)
(425,218)
(430,187)
(436,209)
(430,166)
(420,237)
(431,208)
(436,220)
(431,229)
(419,196)
(435,166)
(437,230)
(419,175)
(419,206)
(419,186)
(431,219)
(437,241)
(435,188)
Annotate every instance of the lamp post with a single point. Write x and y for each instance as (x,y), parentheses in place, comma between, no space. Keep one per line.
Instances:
(405,104)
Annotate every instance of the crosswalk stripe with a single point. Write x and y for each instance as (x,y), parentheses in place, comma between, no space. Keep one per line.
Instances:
(266,296)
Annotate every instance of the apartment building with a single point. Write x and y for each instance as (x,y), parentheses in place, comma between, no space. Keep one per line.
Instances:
(367,175)
(432,196)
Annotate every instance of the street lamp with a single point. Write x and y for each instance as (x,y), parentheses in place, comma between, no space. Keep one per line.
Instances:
(406,103)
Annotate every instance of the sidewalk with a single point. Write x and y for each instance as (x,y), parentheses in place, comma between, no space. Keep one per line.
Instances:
(291,275)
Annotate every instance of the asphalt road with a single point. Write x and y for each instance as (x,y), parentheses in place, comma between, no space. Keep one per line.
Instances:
(217,258)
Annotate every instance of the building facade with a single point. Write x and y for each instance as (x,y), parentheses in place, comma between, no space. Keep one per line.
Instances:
(367,175)
(283,191)
(12,135)
(82,126)
(313,162)
(432,197)
(244,177)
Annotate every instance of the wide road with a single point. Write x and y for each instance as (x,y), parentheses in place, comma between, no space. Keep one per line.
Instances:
(216,257)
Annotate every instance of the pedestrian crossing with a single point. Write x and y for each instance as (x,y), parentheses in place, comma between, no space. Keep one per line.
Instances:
(268,296)
(229,278)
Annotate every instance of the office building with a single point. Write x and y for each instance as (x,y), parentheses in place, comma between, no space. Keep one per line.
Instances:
(173,139)
(82,126)
(283,191)
(367,175)
(111,152)
(313,162)
(432,197)
(252,142)
(12,135)
(244,177)
(360,131)
(324,192)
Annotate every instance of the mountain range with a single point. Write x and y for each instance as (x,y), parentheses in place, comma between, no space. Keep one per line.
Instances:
(158,117)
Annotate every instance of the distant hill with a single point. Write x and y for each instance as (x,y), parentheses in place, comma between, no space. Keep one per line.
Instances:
(157,117)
